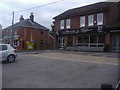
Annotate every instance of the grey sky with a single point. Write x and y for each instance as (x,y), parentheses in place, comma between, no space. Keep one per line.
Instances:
(43,15)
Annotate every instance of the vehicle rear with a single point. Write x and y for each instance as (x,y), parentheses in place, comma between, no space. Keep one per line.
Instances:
(7,53)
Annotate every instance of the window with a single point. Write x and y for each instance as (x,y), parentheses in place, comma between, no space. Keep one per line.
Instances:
(100,19)
(16,43)
(90,20)
(68,23)
(41,41)
(42,32)
(82,21)
(15,32)
(4,47)
(62,24)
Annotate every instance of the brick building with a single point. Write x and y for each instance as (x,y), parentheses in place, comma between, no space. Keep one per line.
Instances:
(94,27)
(27,31)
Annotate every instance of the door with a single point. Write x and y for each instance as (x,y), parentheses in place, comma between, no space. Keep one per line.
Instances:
(61,43)
(70,41)
(116,42)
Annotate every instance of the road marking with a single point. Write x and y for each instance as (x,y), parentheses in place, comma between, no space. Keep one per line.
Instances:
(97,62)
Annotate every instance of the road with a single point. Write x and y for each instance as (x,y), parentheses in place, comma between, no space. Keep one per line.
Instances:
(59,70)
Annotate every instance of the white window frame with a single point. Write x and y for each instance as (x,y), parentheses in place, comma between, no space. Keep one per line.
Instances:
(90,20)
(100,22)
(62,25)
(15,44)
(82,21)
(68,23)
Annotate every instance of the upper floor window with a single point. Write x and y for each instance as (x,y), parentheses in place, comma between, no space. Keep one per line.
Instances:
(62,24)
(82,21)
(42,32)
(90,20)
(100,19)
(15,32)
(68,23)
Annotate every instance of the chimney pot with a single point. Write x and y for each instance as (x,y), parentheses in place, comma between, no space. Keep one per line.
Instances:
(21,18)
(32,17)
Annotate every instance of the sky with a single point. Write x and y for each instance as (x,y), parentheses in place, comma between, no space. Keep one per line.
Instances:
(43,15)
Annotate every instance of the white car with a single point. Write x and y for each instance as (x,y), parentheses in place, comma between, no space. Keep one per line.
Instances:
(8,53)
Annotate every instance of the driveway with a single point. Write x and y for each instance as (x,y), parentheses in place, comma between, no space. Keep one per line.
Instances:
(57,69)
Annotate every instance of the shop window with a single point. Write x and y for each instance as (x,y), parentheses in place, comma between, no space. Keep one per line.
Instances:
(100,39)
(85,40)
(79,39)
(82,21)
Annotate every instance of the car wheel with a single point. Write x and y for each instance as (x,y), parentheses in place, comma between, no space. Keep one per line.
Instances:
(11,58)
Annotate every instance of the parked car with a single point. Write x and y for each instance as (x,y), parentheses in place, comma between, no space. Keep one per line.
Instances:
(7,53)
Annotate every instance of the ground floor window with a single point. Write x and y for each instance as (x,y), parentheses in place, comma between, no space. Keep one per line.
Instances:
(16,43)
(93,40)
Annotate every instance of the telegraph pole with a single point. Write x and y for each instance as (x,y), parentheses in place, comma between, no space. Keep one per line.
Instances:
(12,29)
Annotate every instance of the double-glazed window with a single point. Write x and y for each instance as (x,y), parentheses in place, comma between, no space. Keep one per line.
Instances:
(82,21)
(16,43)
(90,20)
(62,24)
(68,23)
(100,19)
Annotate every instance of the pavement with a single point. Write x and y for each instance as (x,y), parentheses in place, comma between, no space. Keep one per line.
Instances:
(98,54)
(60,69)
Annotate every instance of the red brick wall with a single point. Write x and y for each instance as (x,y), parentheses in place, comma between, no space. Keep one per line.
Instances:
(75,21)
(57,24)
(25,33)
(113,14)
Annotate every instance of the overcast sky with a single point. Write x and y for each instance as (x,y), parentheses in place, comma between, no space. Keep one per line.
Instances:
(43,15)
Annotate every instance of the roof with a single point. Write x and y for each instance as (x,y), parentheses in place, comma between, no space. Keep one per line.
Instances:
(28,23)
(101,6)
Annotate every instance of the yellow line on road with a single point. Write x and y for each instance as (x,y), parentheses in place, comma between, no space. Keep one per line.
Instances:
(97,62)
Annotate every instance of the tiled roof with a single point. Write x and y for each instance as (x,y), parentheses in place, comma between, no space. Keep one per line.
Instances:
(101,6)
(28,23)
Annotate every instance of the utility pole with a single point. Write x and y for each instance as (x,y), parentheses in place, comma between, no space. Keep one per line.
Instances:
(12,29)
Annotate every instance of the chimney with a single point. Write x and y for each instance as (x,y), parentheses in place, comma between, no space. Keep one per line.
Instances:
(32,17)
(21,18)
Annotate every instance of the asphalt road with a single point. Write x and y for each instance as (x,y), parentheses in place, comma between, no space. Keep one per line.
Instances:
(35,71)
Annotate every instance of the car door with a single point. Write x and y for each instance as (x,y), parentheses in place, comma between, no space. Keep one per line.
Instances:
(4,52)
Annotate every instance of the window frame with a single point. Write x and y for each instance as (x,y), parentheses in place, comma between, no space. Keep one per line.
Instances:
(83,22)
(62,24)
(100,22)
(68,23)
(16,43)
(90,20)
(6,47)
